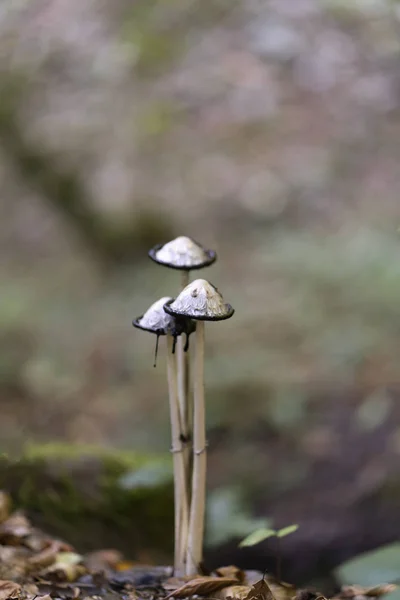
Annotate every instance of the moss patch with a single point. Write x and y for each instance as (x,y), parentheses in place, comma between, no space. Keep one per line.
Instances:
(95,497)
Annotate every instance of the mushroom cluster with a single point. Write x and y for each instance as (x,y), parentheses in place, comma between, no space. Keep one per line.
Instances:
(198,301)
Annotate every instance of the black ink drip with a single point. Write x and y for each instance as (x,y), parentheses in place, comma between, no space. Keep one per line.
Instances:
(156,351)
(186,348)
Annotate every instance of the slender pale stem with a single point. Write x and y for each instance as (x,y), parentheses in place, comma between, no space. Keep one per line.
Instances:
(181,360)
(186,383)
(197,509)
(185,279)
(185,415)
(183,370)
(180,490)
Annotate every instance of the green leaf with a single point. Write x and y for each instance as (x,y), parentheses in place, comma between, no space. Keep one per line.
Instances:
(257,536)
(229,517)
(286,531)
(372,568)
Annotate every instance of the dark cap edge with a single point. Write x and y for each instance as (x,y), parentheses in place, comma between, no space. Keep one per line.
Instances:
(173,313)
(136,323)
(211,254)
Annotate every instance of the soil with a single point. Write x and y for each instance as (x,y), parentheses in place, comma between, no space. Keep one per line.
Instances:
(34,565)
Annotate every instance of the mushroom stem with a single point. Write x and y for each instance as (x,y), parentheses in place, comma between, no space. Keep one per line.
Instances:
(197,509)
(186,381)
(180,493)
(185,279)
(185,415)
(183,372)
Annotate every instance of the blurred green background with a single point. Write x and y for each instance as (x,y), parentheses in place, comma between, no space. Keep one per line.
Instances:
(270,132)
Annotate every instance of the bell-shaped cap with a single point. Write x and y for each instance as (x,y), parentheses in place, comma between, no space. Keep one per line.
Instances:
(201,301)
(182,253)
(155,319)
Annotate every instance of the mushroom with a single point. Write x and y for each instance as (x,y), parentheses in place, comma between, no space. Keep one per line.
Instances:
(186,255)
(156,321)
(200,301)
(182,253)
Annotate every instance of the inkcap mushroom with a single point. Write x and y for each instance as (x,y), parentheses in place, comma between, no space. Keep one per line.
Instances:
(184,254)
(156,321)
(201,301)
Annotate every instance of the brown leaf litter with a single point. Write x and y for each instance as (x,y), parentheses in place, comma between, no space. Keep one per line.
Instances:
(34,566)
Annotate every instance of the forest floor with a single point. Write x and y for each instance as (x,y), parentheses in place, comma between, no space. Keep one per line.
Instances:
(35,566)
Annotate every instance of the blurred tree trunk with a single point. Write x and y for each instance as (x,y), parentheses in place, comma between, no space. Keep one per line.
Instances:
(64,190)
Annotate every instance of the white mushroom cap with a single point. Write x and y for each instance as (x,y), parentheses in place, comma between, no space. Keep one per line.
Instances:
(182,253)
(202,301)
(155,318)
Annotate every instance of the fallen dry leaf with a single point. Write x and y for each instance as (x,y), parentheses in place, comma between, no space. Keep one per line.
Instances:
(308,595)
(67,567)
(124,565)
(173,583)
(65,591)
(280,589)
(260,591)
(31,590)
(234,592)
(46,557)
(13,562)
(103,560)
(381,590)
(351,591)
(9,590)
(202,586)
(14,530)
